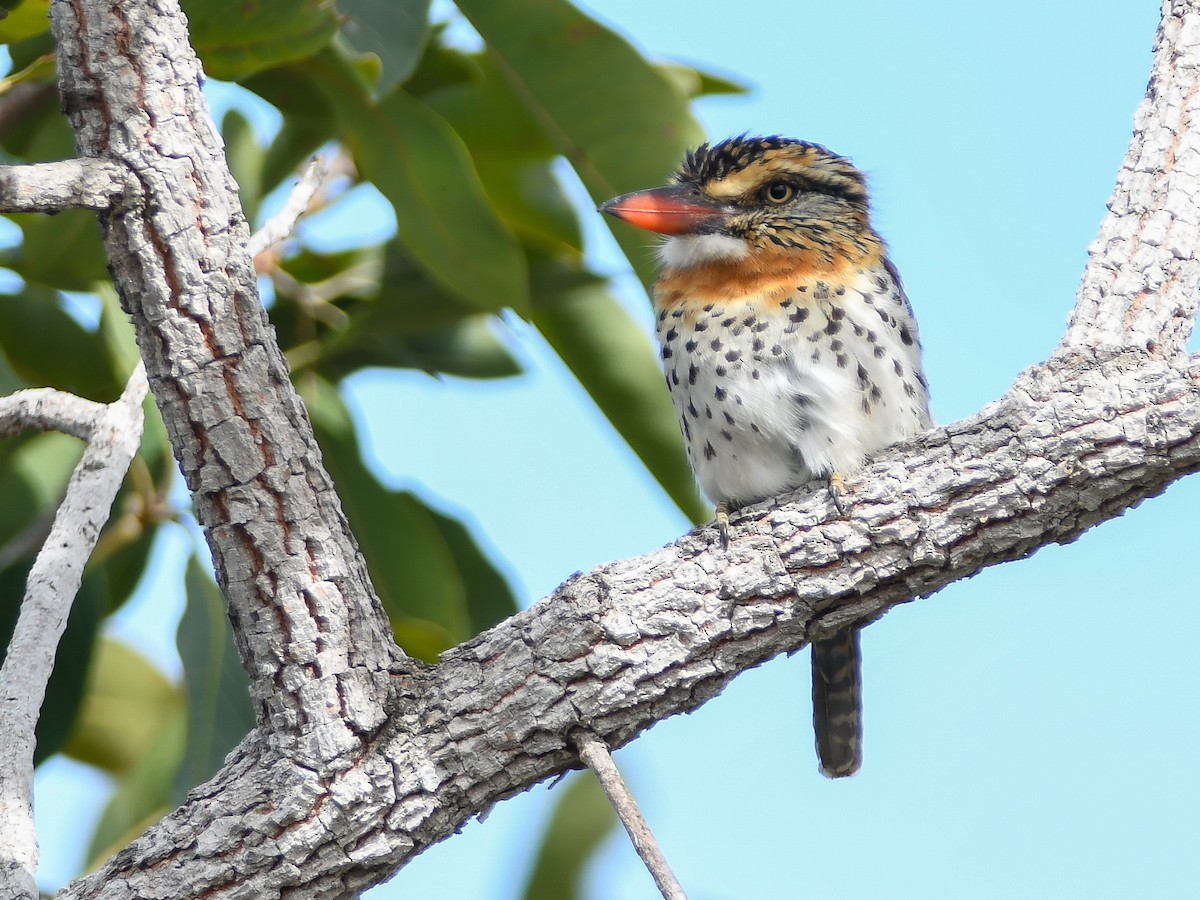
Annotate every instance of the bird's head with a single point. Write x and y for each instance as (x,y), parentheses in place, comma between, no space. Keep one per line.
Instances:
(754,200)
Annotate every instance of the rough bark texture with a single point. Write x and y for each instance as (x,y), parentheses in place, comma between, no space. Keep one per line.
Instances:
(362,758)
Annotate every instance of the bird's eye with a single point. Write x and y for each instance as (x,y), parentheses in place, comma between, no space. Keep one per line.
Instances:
(779,192)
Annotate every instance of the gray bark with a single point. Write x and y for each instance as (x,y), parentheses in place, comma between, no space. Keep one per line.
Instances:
(361,757)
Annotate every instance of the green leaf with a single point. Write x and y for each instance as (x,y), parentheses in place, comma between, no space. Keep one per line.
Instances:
(219,711)
(434,582)
(72,361)
(411,323)
(698,83)
(143,793)
(582,819)
(630,134)
(394,30)
(127,705)
(309,120)
(234,42)
(614,361)
(64,251)
(24,19)
(245,157)
(443,216)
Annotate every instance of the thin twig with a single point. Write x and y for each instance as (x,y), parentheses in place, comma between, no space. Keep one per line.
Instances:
(595,755)
(283,223)
(114,433)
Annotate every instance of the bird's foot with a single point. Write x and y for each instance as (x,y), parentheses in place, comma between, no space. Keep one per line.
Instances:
(839,493)
(723,523)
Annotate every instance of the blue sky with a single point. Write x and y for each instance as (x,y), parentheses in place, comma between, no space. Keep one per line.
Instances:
(1030,732)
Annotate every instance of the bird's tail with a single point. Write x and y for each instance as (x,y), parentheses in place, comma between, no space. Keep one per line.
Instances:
(837,703)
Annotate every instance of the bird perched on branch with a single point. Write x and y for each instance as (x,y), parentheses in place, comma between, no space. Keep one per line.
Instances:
(789,347)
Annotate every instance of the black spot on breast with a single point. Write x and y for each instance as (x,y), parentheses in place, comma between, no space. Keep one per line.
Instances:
(672,335)
(821,291)
(833,326)
(675,377)
(728,418)
(909,390)
(785,303)
(701,326)
(837,313)
(840,290)
(881,283)
(749,321)
(858,329)
(692,411)
(906,335)
(720,371)
(754,428)
(899,369)
(728,435)
(708,307)
(776,350)
(707,411)
(842,360)
(835,345)
(866,407)
(690,346)
(879,351)
(728,323)
(799,315)
(709,450)
(758,344)
(733,355)
(755,374)
(662,316)
(719,393)
(816,356)
(802,288)
(872,337)
(692,373)
(738,329)
(876,394)
(862,376)
(716,344)
(666,353)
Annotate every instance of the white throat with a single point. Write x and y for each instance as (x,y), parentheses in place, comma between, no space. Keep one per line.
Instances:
(688,250)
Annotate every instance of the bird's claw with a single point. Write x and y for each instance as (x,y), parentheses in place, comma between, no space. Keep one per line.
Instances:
(839,494)
(723,524)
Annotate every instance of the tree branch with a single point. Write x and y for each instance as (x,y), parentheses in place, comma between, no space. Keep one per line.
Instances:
(96,184)
(113,433)
(363,758)
(1140,285)
(596,757)
(283,223)
(309,628)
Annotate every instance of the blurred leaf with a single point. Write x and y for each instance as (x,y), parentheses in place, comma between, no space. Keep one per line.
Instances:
(24,19)
(411,323)
(630,134)
(394,30)
(64,251)
(234,42)
(219,712)
(72,361)
(531,200)
(443,216)
(614,361)
(697,83)
(245,157)
(427,572)
(127,705)
(309,120)
(143,793)
(581,821)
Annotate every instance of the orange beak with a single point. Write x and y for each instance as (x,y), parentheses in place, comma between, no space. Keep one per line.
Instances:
(676,209)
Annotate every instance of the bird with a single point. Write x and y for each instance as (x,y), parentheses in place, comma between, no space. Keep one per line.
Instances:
(789,348)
